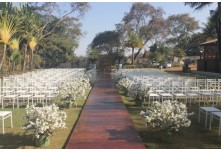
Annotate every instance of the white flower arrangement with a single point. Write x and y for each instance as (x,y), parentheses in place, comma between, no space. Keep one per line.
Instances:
(43,120)
(167,116)
(117,76)
(138,91)
(92,75)
(124,84)
(75,89)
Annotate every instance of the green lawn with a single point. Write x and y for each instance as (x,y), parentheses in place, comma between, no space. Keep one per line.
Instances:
(195,136)
(16,137)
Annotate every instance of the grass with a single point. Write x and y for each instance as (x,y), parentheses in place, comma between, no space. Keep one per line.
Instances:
(16,137)
(195,136)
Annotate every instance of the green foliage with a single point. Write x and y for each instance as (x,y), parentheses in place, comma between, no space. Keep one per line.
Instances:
(106,41)
(15,56)
(37,61)
(93,55)
(180,53)
(181,27)
(134,41)
(209,29)
(216,18)
(58,49)
(161,54)
(37,25)
(144,20)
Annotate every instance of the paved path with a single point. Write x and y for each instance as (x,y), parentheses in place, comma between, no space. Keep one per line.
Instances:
(104,122)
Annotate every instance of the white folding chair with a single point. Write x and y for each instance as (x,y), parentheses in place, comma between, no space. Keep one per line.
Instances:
(192,91)
(179,90)
(4,115)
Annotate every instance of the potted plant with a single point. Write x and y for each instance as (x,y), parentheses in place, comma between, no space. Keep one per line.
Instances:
(166,117)
(138,92)
(41,121)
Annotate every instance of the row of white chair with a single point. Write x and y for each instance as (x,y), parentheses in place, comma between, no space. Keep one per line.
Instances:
(169,86)
(38,86)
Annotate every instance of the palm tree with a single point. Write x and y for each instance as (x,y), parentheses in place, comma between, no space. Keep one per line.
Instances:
(134,42)
(7,29)
(29,26)
(209,29)
(15,53)
(32,44)
(217,16)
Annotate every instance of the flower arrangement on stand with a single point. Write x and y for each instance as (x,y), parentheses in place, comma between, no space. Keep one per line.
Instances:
(166,117)
(72,90)
(138,92)
(92,76)
(124,84)
(41,121)
(117,76)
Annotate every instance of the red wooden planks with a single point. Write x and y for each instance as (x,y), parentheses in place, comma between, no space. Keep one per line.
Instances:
(104,122)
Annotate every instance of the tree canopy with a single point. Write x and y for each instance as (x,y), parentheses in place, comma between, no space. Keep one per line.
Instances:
(45,36)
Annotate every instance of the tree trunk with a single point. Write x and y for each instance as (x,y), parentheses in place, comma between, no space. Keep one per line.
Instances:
(132,56)
(3,56)
(138,52)
(24,57)
(218,26)
(13,67)
(31,60)
(9,66)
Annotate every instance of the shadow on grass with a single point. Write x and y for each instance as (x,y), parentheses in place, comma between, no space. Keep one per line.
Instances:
(16,141)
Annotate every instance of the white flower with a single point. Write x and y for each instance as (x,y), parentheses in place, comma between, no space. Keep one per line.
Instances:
(138,90)
(142,113)
(74,89)
(124,83)
(168,115)
(44,120)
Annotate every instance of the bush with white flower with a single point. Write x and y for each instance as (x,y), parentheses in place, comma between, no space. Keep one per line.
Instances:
(74,89)
(117,76)
(92,75)
(124,84)
(167,116)
(138,91)
(41,121)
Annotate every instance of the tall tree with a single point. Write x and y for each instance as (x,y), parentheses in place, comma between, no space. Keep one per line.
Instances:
(15,56)
(59,47)
(8,28)
(209,29)
(134,42)
(160,54)
(30,24)
(93,54)
(74,13)
(144,20)
(106,42)
(181,27)
(32,44)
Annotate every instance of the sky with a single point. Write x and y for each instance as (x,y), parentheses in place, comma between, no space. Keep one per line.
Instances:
(104,15)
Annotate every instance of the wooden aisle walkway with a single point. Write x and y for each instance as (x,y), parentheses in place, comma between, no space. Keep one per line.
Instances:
(104,122)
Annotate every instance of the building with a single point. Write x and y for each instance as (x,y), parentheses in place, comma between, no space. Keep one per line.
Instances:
(209,61)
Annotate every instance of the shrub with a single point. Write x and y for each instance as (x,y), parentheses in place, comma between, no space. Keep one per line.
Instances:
(124,84)
(167,116)
(43,120)
(117,76)
(72,90)
(138,91)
